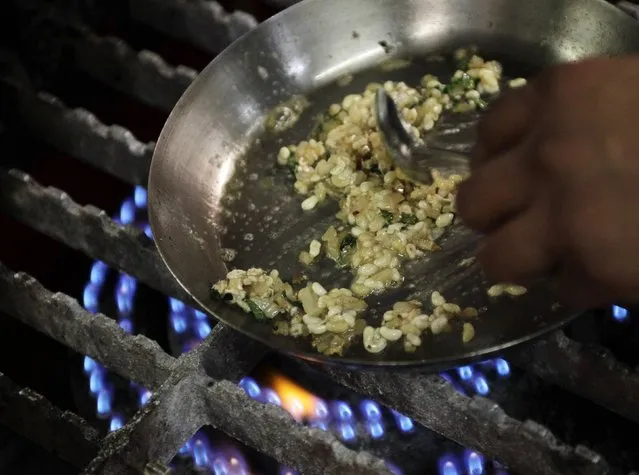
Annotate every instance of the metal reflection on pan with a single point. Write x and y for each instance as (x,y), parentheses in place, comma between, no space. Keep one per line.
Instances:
(197,209)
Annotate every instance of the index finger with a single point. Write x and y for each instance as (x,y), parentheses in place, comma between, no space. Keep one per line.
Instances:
(505,123)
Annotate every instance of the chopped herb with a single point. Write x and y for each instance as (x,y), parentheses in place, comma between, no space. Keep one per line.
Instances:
(462,63)
(482,104)
(459,85)
(318,125)
(257,312)
(408,218)
(387,215)
(466,81)
(348,242)
(292,162)
(217,295)
(375,169)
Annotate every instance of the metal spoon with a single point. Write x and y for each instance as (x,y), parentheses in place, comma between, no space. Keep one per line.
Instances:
(418,159)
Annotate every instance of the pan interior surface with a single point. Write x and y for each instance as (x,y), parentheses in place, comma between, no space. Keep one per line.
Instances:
(215,190)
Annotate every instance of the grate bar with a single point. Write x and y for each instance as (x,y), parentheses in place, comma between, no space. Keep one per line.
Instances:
(574,366)
(157,431)
(53,213)
(61,432)
(186,403)
(143,75)
(310,451)
(65,43)
(78,132)
(203,23)
(133,357)
(526,447)
(85,228)
(228,354)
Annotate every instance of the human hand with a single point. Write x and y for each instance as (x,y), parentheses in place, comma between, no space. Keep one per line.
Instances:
(555,182)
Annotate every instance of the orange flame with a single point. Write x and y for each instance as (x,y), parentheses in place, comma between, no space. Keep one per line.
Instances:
(299,402)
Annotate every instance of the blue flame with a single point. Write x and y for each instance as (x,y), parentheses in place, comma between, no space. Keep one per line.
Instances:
(404,423)
(139,197)
(619,313)
(375,429)
(176,306)
(342,411)
(465,372)
(203,329)
(96,380)
(144,397)
(123,299)
(89,365)
(470,463)
(346,431)
(199,315)
(117,422)
(502,366)
(321,424)
(251,387)
(178,322)
(99,271)
(105,397)
(395,470)
(371,410)
(448,466)
(321,410)
(126,324)
(186,448)
(200,454)
(127,212)
(91,297)
(271,397)
(474,463)
(481,386)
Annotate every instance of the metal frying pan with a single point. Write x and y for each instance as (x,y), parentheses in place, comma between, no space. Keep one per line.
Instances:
(214,183)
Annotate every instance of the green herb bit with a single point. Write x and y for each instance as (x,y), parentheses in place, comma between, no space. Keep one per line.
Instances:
(467,81)
(464,82)
(257,312)
(375,169)
(462,63)
(348,242)
(482,104)
(408,219)
(387,215)
(292,162)
(217,295)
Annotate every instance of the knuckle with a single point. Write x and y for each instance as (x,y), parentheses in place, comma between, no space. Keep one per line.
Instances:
(554,155)
(464,204)
(559,81)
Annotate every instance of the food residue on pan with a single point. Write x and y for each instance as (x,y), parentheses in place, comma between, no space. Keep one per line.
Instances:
(344,80)
(394,64)
(384,218)
(286,115)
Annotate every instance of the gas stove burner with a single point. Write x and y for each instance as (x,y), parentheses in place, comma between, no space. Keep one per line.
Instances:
(189,327)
